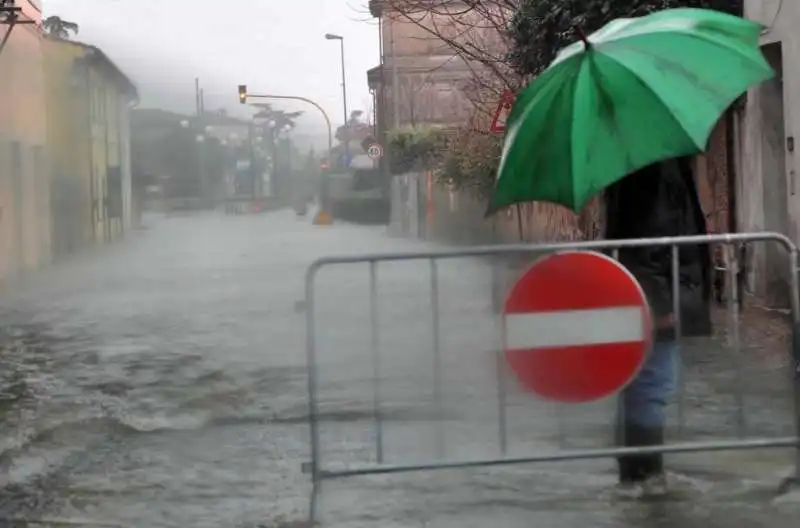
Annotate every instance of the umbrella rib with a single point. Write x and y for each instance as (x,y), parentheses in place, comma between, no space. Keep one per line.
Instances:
(607,102)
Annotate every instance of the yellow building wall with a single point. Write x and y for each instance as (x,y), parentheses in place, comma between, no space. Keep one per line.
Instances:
(69,144)
(105,101)
(84,104)
(25,221)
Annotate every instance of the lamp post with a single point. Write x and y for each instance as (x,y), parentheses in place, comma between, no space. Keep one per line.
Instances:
(330,36)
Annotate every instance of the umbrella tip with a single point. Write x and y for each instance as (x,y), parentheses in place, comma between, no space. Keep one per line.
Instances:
(582,34)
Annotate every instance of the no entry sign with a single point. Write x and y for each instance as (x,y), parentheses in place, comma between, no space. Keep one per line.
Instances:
(577,327)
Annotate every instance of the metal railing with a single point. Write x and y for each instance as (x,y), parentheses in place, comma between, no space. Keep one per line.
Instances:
(320,470)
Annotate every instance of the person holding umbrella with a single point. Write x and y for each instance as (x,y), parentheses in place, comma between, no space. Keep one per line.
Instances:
(619,113)
(658,201)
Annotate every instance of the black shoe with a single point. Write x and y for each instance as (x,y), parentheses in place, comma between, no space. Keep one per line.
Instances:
(638,468)
(651,465)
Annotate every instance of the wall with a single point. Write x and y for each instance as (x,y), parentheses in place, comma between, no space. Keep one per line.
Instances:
(70,147)
(131,210)
(771,116)
(431,78)
(89,136)
(106,103)
(24,184)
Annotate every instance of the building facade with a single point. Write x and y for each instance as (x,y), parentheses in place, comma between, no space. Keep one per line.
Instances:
(421,80)
(88,105)
(25,222)
(765,139)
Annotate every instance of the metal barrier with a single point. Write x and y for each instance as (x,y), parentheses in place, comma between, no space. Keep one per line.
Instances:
(321,471)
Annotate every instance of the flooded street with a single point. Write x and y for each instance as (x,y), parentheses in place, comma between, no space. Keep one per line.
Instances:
(161,381)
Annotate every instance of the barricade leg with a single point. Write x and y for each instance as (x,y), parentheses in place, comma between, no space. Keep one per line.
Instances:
(313,507)
(736,348)
(792,482)
(676,310)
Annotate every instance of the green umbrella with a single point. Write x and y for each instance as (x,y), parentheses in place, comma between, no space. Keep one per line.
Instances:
(638,91)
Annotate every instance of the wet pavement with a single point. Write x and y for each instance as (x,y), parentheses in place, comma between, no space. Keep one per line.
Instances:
(161,382)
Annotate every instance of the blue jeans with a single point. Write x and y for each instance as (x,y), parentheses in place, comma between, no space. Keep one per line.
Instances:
(645,399)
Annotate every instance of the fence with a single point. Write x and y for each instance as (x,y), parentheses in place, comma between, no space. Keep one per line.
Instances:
(420,377)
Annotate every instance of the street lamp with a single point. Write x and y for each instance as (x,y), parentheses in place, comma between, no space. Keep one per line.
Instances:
(330,36)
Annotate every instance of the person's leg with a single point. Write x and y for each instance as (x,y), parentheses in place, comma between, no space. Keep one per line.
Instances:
(643,411)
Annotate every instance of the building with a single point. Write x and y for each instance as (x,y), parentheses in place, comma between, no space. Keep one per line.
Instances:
(421,78)
(25,222)
(765,137)
(89,135)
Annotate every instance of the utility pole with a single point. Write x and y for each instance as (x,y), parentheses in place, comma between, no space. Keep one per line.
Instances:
(10,16)
(330,36)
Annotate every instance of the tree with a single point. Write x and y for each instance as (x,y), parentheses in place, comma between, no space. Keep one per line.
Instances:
(541,28)
(415,148)
(280,117)
(470,163)
(59,28)
(354,129)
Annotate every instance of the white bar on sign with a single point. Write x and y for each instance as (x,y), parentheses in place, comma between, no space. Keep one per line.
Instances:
(574,328)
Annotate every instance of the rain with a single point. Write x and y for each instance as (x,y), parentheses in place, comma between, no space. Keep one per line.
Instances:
(248,278)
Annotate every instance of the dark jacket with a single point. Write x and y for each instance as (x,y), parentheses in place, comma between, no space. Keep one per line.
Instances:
(661,201)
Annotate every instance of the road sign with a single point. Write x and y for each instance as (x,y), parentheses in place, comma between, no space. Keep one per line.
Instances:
(577,327)
(375,151)
(502,112)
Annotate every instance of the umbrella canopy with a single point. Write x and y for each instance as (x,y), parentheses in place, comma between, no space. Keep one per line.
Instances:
(637,91)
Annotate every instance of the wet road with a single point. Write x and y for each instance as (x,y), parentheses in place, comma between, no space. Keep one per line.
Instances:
(161,382)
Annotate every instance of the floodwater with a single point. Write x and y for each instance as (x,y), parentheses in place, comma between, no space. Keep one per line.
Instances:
(162,382)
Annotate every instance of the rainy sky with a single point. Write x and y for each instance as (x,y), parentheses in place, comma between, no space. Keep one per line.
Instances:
(271,45)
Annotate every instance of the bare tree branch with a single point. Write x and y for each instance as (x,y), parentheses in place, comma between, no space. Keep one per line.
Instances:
(475,32)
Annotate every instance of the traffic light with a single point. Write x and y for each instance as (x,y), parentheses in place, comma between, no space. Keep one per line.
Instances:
(242,93)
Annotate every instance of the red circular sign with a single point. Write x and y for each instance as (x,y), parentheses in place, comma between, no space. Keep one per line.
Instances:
(577,327)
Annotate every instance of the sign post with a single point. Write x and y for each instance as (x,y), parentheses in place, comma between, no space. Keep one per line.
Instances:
(501,113)
(577,327)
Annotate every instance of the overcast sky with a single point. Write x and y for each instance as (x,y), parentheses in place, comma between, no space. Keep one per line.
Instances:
(273,46)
